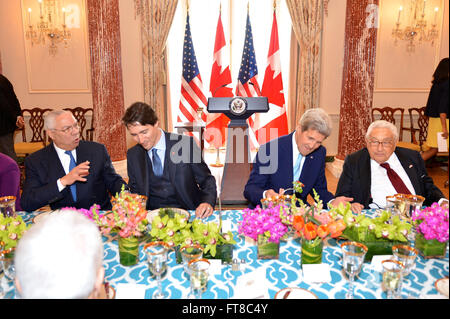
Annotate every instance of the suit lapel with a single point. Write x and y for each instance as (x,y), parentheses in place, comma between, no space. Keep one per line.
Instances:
(285,160)
(365,174)
(409,168)
(54,160)
(168,165)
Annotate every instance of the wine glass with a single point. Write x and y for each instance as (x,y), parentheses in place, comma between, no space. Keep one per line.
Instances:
(353,259)
(198,269)
(407,256)
(190,252)
(392,277)
(157,263)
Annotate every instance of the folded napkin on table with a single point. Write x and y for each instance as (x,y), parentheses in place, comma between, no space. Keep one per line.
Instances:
(316,273)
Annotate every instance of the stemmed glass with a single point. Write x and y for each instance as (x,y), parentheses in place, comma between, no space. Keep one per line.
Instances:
(392,277)
(190,252)
(199,271)
(353,259)
(157,263)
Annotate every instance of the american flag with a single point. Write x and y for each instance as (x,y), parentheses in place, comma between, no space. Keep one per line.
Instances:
(192,96)
(247,78)
(220,78)
(273,123)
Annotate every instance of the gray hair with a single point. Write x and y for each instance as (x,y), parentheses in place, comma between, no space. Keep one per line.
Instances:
(49,120)
(316,119)
(383,124)
(59,257)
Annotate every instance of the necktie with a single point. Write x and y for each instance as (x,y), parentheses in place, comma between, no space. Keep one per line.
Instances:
(396,181)
(73,187)
(157,166)
(297,167)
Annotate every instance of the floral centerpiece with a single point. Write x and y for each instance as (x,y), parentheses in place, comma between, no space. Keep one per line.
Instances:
(431,226)
(128,218)
(176,230)
(379,234)
(12,229)
(265,226)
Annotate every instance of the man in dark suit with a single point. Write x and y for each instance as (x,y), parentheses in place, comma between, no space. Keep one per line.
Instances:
(298,156)
(167,168)
(365,175)
(69,172)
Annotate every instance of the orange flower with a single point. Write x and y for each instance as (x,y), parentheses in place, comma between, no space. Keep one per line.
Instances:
(336,228)
(310,231)
(298,222)
(322,231)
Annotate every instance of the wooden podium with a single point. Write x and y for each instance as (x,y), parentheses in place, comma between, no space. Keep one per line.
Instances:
(238,160)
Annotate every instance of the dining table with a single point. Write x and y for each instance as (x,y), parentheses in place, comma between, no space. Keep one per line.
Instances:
(227,280)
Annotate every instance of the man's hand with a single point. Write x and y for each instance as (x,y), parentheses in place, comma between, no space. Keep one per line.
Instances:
(357,207)
(20,122)
(204,210)
(77,174)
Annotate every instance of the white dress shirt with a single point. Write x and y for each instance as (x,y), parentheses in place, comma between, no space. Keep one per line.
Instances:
(381,186)
(65,161)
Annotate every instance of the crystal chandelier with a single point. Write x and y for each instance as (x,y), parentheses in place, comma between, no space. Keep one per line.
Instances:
(415,23)
(51,25)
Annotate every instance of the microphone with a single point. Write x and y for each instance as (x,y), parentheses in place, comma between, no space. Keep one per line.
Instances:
(222,86)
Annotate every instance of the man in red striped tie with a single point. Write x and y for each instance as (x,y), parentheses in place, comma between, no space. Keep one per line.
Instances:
(383,169)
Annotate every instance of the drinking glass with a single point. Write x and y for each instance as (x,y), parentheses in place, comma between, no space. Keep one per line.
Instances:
(353,258)
(190,252)
(407,256)
(8,206)
(392,277)
(157,263)
(199,271)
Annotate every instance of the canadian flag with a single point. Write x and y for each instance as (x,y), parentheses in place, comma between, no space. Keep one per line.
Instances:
(220,77)
(273,123)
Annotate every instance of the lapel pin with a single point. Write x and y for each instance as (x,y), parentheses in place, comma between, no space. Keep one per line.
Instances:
(410,166)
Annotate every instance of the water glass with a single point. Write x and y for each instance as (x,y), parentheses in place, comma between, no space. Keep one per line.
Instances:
(392,278)
(407,256)
(199,272)
(157,264)
(190,252)
(8,206)
(353,258)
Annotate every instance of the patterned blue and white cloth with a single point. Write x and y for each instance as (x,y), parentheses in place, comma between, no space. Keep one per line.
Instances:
(280,273)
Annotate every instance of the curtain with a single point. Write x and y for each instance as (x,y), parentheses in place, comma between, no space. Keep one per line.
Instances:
(307,17)
(156,19)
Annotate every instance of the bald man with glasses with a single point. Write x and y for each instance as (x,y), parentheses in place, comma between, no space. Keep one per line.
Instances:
(382,169)
(69,172)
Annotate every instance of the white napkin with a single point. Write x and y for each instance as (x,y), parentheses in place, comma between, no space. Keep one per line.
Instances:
(215,266)
(130,291)
(316,273)
(252,285)
(226,225)
(442,143)
(376,262)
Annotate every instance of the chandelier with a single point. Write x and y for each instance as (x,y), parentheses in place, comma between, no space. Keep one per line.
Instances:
(51,25)
(415,23)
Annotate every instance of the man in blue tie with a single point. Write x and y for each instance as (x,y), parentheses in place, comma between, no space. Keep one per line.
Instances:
(167,168)
(69,172)
(298,156)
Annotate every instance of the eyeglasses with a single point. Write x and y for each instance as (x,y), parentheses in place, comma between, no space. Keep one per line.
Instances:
(385,144)
(68,129)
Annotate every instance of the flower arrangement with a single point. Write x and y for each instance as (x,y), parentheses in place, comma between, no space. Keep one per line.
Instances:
(266,222)
(128,216)
(432,222)
(12,229)
(176,230)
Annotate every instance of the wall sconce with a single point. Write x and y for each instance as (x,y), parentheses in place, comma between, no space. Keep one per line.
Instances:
(51,25)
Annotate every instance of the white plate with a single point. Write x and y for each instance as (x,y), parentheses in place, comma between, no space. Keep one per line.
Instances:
(442,286)
(37,218)
(295,293)
(151,214)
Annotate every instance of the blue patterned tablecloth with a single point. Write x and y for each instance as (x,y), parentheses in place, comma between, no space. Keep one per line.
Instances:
(280,273)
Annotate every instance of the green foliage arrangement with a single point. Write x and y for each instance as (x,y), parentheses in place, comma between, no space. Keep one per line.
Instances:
(11,230)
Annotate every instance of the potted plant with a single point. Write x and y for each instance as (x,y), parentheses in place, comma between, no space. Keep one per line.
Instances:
(379,234)
(431,226)
(176,230)
(265,226)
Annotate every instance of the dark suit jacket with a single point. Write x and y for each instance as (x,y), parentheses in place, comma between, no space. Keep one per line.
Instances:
(355,180)
(43,168)
(281,173)
(188,172)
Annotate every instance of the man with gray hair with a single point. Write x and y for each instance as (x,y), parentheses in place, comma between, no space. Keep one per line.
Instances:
(69,172)
(60,257)
(298,156)
(382,169)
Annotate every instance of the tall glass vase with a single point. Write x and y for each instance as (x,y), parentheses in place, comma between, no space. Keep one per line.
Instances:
(312,251)
(266,249)
(128,250)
